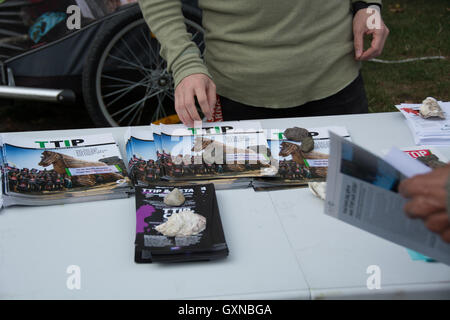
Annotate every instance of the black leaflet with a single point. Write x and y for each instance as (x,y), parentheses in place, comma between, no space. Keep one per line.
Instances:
(201,206)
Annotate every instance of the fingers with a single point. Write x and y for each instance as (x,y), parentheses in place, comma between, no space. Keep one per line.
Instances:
(179,108)
(359,43)
(429,200)
(429,184)
(438,222)
(418,185)
(446,235)
(202,98)
(196,85)
(189,104)
(365,23)
(422,207)
(377,45)
(212,95)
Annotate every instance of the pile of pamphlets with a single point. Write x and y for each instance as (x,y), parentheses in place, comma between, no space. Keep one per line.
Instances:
(431,131)
(362,190)
(45,171)
(231,155)
(296,168)
(189,232)
(228,154)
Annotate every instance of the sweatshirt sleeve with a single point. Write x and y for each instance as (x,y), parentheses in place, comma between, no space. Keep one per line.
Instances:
(379,2)
(360,4)
(166,21)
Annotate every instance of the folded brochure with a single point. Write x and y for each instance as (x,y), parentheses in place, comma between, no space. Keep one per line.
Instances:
(191,232)
(362,190)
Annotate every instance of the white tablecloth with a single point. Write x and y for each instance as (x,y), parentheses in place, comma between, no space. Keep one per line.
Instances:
(282,245)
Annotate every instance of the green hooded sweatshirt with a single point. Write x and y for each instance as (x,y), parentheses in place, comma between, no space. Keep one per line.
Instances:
(267,53)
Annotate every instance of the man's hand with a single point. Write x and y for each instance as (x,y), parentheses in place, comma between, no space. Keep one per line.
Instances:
(196,85)
(429,200)
(369,22)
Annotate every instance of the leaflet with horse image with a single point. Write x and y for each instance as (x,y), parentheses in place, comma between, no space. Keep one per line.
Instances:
(218,150)
(295,167)
(43,170)
(146,159)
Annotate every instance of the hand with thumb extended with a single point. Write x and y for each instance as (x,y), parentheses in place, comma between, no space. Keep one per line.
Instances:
(369,22)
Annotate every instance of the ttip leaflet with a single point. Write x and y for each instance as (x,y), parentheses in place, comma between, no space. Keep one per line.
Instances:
(190,232)
(228,154)
(44,171)
(295,167)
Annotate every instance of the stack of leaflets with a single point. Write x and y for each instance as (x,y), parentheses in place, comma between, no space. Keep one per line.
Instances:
(362,190)
(228,154)
(221,150)
(143,156)
(431,131)
(296,168)
(45,171)
(190,232)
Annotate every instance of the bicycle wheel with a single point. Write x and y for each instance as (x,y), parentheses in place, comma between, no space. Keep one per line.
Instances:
(125,80)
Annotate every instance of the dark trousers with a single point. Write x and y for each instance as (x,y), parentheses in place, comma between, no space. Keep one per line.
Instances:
(350,100)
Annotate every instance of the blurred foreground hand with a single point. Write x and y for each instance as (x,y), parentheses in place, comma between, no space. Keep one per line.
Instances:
(428,200)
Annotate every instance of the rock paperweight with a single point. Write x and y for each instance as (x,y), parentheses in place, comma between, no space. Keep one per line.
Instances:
(431,109)
(307,144)
(296,134)
(175,198)
(182,224)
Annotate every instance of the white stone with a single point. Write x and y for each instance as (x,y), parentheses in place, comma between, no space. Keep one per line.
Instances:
(175,198)
(318,189)
(431,108)
(182,224)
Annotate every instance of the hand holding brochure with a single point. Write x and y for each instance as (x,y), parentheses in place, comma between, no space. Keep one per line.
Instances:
(362,190)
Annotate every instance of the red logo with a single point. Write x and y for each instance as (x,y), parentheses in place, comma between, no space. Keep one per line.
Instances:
(418,153)
(410,110)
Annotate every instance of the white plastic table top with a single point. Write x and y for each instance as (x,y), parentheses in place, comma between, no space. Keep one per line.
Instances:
(282,246)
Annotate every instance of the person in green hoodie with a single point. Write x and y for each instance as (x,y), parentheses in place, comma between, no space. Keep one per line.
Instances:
(429,200)
(267,58)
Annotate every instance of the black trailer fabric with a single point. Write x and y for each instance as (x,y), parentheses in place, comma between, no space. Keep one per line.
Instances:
(61,58)
(28,24)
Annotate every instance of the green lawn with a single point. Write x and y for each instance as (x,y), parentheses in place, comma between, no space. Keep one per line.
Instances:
(418,28)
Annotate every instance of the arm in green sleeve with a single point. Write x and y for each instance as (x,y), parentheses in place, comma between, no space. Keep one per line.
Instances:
(166,21)
(359,4)
(379,2)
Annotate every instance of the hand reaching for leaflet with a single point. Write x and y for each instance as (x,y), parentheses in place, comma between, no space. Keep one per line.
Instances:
(196,85)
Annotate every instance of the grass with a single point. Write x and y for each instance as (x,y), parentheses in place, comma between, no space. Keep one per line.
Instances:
(418,28)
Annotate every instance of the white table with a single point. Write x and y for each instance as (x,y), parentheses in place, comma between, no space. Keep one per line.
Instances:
(281,244)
